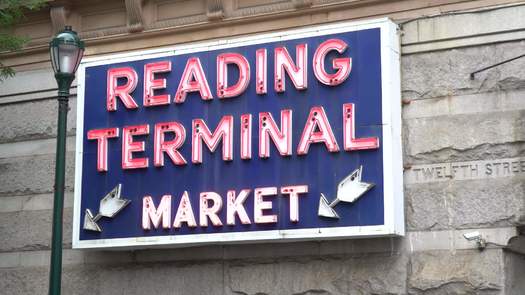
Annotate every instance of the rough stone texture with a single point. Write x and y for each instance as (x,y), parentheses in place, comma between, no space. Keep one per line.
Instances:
(473,103)
(467,137)
(31,230)
(33,120)
(33,202)
(456,25)
(463,272)
(465,204)
(24,280)
(486,125)
(75,280)
(163,278)
(102,273)
(447,73)
(362,275)
(488,203)
(430,214)
(34,147)
(41,80)
(33,175)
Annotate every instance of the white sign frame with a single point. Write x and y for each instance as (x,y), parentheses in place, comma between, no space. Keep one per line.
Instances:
(392,153)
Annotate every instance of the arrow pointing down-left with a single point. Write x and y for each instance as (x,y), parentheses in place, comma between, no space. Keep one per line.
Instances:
(110,205)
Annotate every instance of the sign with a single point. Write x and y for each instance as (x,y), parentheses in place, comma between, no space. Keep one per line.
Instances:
(471,170)
(292,135)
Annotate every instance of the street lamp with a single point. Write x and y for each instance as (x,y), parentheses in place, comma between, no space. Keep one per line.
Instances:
(66,51)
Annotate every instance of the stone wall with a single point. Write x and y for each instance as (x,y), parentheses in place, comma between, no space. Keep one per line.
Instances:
(450,123)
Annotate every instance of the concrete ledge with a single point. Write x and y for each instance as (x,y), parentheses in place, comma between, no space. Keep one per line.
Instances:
(33,202)
(33,96)
(463,42)
(460,29)
(35,147)
(485,102)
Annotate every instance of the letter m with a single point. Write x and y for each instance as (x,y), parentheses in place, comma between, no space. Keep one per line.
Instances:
(150,214)
(201,133)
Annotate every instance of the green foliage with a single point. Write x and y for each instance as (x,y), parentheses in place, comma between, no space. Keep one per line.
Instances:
(12,12)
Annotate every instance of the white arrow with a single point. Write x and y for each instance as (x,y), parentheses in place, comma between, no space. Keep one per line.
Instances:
(349,190)
(110,205)
(325,210)
(90,222)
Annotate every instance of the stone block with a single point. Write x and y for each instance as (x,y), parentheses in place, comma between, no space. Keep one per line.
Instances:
(32,202)
(475,103)
(498,202)
(76,280)
(447,73)
(426,206)
(34,147)
(161,278)
(465,204)
(33,120)
(22,281)
(376,274)
(463,25)
(462,272)
(31,230)
(33,175)
(40,80)
(464,137)
(133,279)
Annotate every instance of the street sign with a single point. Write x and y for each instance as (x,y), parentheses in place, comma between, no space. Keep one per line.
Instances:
(291,135)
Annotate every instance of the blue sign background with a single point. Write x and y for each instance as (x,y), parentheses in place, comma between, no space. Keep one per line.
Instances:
(319,169)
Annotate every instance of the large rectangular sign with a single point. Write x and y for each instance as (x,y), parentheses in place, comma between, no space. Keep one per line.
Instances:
(290,135)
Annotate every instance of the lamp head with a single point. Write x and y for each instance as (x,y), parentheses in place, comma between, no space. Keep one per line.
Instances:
(66,51)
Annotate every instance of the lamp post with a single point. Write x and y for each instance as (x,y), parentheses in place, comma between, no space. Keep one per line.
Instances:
(66,51)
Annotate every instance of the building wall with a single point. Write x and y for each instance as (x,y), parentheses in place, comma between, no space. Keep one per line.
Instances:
(449,120)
